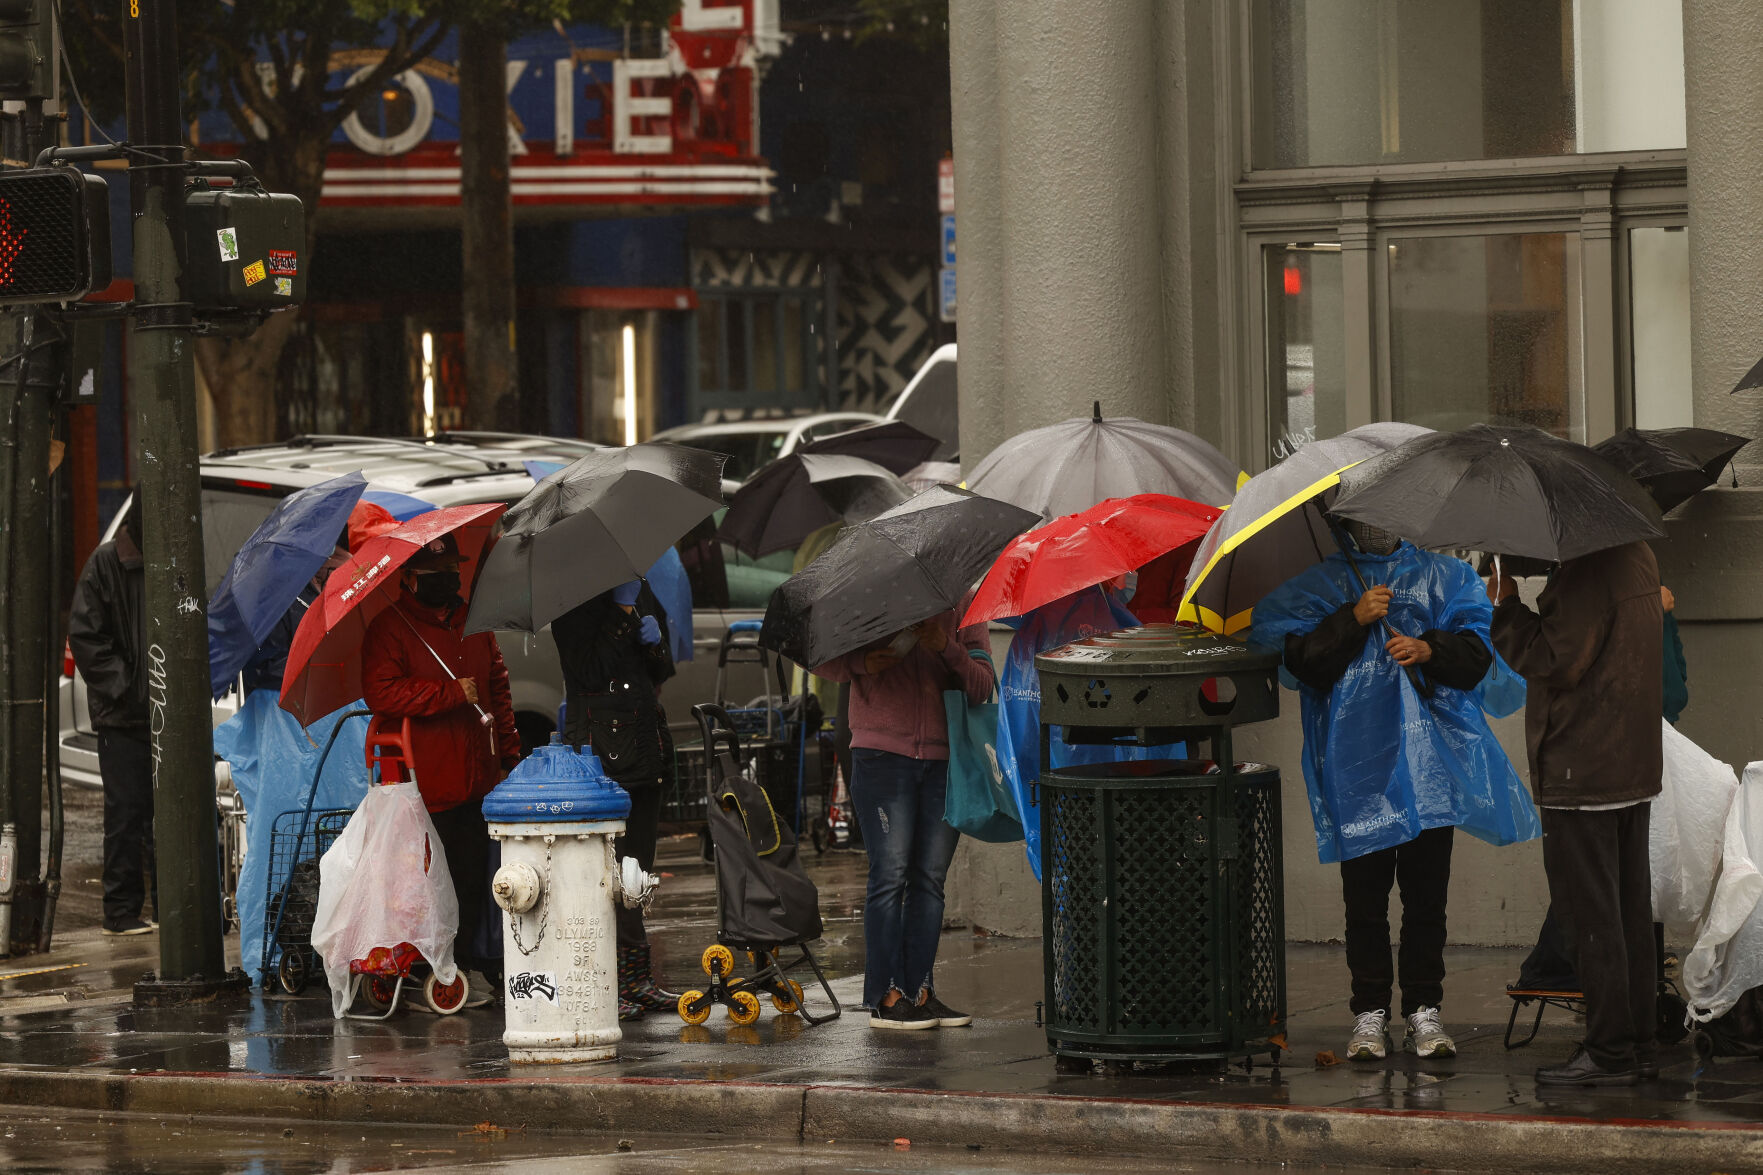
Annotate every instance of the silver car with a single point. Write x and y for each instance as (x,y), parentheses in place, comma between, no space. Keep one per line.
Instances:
(241,486)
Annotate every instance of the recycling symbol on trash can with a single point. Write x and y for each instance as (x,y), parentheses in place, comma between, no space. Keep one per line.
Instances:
(1097,695)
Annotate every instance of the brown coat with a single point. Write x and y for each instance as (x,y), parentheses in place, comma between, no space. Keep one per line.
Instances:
(1590,658)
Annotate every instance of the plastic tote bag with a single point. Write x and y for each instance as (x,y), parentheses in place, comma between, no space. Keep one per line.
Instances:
(978,802)
(384,882)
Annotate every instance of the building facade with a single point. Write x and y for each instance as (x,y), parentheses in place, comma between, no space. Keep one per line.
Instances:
(1272,220)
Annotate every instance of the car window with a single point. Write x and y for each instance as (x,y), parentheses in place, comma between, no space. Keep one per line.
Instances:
(228,518)
(827,428)
(934,407)
(746,451)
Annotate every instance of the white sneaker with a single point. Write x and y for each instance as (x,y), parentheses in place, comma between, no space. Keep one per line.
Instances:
(1426,1037)
(1370,1041)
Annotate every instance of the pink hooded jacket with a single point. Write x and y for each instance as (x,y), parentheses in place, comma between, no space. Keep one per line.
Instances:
(900,709)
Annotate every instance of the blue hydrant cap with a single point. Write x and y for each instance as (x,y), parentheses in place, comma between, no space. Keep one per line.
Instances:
(557,783)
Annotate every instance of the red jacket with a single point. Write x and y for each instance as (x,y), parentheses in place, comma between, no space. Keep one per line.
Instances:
(455,758)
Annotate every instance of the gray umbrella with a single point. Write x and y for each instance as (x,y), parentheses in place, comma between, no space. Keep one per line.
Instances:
(795,496)
(1073,465)
(886,574)
(592,525)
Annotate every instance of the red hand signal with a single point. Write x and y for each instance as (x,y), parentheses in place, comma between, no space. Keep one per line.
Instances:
(11,242)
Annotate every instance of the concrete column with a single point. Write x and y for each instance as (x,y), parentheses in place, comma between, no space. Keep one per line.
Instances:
(1723,89)
(1713,559)
(973,77)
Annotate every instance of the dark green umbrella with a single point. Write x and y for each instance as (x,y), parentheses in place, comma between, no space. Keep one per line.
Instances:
(1511,490)
(881,576)
(598,522)
(1674,464)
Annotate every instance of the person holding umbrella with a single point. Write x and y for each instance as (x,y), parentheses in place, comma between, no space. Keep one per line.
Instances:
(615,654)
(900,775)
(1384,643)
(418,663)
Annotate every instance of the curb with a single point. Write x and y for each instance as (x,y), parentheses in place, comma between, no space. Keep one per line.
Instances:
(1034,1122)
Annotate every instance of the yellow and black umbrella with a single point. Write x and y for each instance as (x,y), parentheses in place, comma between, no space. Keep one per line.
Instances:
(1275,528)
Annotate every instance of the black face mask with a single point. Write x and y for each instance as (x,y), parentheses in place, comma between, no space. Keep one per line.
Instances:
(436,589)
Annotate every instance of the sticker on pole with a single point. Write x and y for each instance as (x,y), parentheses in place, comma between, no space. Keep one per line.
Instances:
(284,261)
(284,287)
(254,273)
(229,243)
(533,985)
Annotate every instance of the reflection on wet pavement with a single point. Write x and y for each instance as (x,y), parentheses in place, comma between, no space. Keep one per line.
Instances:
(1000,980)
(133,1144)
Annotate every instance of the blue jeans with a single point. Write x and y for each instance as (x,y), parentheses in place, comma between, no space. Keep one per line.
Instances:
(899,805)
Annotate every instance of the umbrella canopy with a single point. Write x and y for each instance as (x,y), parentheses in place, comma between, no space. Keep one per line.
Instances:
(1673,464)
(271,569)
(1275,527)
(1072,465)
(797,494)
(596,523)
(1752,378)
(324,663)
(1072,553)
(886,574)
(1512,490)
(892,444)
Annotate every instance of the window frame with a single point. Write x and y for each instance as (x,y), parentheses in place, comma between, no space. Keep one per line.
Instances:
(725,397)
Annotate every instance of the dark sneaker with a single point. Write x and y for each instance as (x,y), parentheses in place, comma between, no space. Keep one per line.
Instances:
(1582,1070)
(1646,1063)
(646,993)
(628,1010)
(903,1015)
(128,926)
(946,1016)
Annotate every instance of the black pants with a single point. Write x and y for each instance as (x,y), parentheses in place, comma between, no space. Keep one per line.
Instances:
(1422,869)
(641,831)
(125,764)
(1600,882)
(466,840)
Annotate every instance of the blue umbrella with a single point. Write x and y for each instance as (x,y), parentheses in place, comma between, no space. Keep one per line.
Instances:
(403,507)
(274,564)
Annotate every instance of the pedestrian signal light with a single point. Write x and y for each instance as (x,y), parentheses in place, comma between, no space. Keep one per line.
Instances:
(27,49)
(54,235)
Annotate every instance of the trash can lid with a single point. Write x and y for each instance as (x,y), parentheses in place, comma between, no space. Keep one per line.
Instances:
(1158,651)
(557,782)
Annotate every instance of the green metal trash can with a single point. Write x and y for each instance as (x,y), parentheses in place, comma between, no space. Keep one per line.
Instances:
(1162,881)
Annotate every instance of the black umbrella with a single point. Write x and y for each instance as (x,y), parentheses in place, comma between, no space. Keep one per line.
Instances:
(1752,378)
(795,496)
(594,524)
(1674,464)
(889,573)
(1514,490)
(892,444)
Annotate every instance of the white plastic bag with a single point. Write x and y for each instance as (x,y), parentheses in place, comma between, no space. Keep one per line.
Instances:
(385,882)
(1727,960)
(1688,829)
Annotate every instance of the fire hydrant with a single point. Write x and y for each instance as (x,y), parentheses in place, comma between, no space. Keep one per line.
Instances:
(556,816)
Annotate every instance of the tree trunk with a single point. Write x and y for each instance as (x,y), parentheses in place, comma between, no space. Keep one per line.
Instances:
(487,218)
(241,373)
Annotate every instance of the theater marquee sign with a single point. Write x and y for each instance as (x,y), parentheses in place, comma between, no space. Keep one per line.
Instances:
(586,126)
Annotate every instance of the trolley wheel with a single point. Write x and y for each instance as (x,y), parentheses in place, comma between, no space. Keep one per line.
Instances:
(821,834)
(718,959)
(1704,1044)
(379,991)
(685,1008)
(293,971)
(790,1003)
(745,1008)
(444,999)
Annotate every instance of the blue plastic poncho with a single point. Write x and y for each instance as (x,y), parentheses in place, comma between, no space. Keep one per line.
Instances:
(273,762)
(1074,617)
(1383,764)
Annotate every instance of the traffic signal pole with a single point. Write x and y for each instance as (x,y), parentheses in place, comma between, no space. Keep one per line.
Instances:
(192,959)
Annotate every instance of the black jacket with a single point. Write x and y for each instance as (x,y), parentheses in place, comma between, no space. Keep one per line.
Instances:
(106,632)
(611,679)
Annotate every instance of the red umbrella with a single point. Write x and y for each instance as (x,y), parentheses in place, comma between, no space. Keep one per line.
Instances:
(1090,547)
(324,662)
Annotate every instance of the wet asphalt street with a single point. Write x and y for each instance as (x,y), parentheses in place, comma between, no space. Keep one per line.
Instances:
(137,1145)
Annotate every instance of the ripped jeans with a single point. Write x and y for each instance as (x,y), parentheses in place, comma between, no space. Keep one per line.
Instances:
(899,805)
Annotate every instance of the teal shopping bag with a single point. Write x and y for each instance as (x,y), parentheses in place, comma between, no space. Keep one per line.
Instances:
(978,801)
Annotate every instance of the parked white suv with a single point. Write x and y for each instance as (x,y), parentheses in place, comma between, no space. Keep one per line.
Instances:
(241,486)
(750,445)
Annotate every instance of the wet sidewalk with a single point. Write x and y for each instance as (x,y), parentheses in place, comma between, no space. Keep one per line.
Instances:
(69,1037)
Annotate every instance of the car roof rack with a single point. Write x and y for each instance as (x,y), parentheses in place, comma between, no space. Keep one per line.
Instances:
(333,440)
